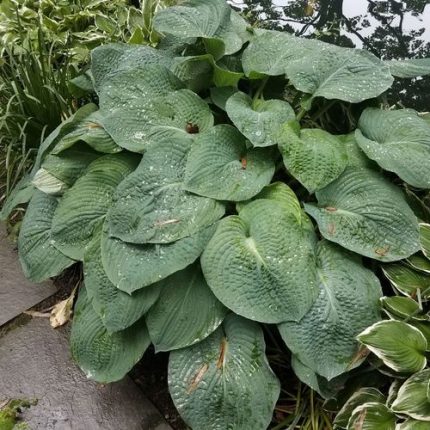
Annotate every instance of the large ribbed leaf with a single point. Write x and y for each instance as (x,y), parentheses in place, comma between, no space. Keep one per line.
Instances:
(223,31)
(225,382)
(356,157)
(399,141)
(325,338)
(131,267)
(222,167)
(318,68)
(85,204)
(116,309)
(408,281)
(59,172)
(258,120)
(261,263)
(151,205)
(410,68)
(22,193)
(313,156)
(186,312)
(103,356)
(40,260)
(372,416)
(412,398)
(398,344)
(107,60)
(365,213)
(144,105)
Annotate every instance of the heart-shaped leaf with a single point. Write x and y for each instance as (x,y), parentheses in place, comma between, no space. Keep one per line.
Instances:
(372,416)
(410,68)
(258,120)
(365,213)
(222,167)
(152,206)
(399,141)
(186,312)
(399,345)
(228,369)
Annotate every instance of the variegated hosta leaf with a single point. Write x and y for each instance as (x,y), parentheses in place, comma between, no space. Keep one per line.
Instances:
(398,344)
(186,312)
(318,68)
(410,68)
(222,167)
(59,172)
(223,31)
(313,156)
(399,141)
(363,395)
(365,213)
(412,399)
(141,106)
(258,120)
(107,60)
(104,357)
(402,308)
(225,381)
(90,131)
(325,338)
(408,281)
(263,267)
(372,416)
(131,267)
(85,204)
(116,309)
(152,206)
(40,260)
(425,239)
(411,424)
(420,263)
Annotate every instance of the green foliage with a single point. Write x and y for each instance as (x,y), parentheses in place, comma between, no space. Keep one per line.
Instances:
(190,214)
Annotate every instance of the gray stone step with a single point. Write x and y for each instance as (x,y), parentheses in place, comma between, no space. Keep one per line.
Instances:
(17,294)
(35,363)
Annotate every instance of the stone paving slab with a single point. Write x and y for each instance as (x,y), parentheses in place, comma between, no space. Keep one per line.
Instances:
(35,363)
(17,294)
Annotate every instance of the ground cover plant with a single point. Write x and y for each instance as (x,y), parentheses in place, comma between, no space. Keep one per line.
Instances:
(233,185)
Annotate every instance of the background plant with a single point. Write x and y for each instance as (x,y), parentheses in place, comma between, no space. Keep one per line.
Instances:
(207,239)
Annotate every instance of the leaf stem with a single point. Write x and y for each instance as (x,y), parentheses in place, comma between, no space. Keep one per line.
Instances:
(260,89)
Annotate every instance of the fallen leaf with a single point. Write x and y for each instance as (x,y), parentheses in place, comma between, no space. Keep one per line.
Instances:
(62,311)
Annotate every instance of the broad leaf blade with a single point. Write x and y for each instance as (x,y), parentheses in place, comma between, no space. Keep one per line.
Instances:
(425,239)
(408,281)
(225,380)
(372,416)
(410,68)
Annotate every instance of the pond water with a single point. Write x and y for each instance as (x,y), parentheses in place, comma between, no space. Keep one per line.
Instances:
(388,28)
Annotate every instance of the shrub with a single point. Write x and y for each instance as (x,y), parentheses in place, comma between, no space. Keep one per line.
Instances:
(209,194)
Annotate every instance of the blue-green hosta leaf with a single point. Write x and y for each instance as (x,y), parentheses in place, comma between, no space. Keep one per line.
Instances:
(258,120)
(222,167)
(313,156)
(186,312)
(225,382)
(318,68)
(263,267)
(412,399)
(104,357)
(116,309)
(356,156)
(325,338)
(408,281)
(425,239)
(372,416)
(40,260)
(223,31)
(59,172)
(131,267)
(21,194)
(220,95)
(85,204)
(411,424)
(365,213)
(90,131)
(399,345)
(144,106)
(399,141)
(420,263)
(410,68)
(363,395)
(107,60)
(152,206)
(398,307)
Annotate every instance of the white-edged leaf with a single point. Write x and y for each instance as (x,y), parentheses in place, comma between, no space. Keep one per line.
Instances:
(408,281)
(372,416)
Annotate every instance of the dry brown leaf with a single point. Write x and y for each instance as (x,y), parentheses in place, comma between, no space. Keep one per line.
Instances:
(62,311)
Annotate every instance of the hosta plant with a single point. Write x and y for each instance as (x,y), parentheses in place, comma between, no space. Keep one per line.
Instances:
(230,180)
